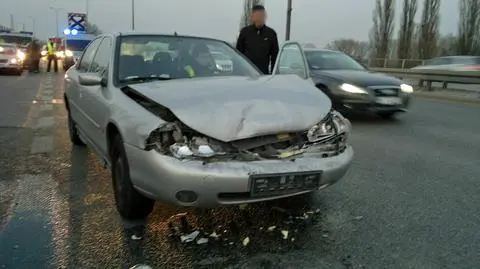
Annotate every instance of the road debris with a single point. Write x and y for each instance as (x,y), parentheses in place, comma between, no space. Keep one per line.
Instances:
(202,241)
(189,237)
(271,228)
(135,237)
(214,235)
(243,206)
(285,234)
(246,241)
(141,266)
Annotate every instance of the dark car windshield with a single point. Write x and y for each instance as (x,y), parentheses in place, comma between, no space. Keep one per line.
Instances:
(77,45)
(15,39)
(155,56)
(330,60)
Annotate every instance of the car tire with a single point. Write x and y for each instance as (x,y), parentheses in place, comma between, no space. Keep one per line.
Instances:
(387,115)
(73,132)
(129,202)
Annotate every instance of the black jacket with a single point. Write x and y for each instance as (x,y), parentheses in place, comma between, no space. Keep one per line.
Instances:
(260,45)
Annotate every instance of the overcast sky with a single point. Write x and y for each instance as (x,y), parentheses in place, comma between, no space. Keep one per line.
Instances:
(316,21)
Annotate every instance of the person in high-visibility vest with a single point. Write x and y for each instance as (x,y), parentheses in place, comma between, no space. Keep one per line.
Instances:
(52,56)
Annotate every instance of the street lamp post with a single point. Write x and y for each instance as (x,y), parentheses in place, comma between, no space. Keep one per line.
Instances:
(57,31)
(289,20)
(33,24)
(133,15)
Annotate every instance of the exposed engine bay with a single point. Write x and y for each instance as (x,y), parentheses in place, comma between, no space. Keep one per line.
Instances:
(177,140)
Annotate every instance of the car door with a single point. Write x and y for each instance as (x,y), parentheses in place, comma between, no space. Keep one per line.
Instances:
(291,60)
(97,97)
(76,92)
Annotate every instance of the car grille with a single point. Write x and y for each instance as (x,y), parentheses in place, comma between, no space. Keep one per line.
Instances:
(386,91)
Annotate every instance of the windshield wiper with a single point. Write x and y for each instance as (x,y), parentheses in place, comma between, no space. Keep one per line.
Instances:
(145,78)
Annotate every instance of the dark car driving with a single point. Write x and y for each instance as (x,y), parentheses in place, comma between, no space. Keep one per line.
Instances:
(350,86)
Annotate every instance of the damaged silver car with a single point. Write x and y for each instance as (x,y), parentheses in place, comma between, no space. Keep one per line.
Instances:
(172,127)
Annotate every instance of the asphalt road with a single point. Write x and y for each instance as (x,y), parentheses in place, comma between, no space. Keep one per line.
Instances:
(410,200)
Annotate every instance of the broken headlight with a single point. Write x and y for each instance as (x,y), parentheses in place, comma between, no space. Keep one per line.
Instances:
(334,124)
(196,147)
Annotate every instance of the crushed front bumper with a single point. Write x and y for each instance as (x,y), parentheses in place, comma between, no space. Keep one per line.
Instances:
(161,177)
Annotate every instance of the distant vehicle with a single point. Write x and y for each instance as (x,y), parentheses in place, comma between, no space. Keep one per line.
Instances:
(218,138)
(453,63)
(222,62)
(350,86)
(74,48)
(11,58)
(19,39)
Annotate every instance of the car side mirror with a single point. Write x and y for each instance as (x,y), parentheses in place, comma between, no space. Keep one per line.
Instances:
(90,80)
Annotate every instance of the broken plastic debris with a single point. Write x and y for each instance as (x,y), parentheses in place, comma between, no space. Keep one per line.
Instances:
(205,151)
(246,241)
(214,235)
(135,237)
(202,241)
(285,234)
(317,211)
(293,239)
(180,151)
(325,235)
(271,228)
(140,266)
(243,206)
(189,237)
(310,212)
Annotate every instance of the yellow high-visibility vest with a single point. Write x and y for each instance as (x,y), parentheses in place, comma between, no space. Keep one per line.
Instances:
(190,71)
(50,48)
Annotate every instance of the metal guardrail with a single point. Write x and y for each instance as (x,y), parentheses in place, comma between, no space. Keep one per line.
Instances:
(429,76)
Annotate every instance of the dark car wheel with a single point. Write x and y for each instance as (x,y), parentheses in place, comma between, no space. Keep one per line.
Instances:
(73,132)
(387,115)
(130,203)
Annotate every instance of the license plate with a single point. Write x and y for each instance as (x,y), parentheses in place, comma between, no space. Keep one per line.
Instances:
(284,183)
(389,100)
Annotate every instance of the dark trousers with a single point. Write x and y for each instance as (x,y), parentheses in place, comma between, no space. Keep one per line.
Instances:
(52,58)
(35,64)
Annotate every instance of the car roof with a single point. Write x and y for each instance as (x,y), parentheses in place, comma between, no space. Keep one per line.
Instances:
(118,34)
(316,49)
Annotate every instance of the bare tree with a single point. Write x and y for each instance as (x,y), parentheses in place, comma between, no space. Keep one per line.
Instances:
(93,29)
(354,48)
(447,45)
(428,38)
(407,28)
(247,9)
(381,32)
(468,39)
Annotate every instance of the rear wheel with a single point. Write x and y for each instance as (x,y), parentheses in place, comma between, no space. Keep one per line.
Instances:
(130,203)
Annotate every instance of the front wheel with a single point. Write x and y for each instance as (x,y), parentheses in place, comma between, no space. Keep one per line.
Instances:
(130,203)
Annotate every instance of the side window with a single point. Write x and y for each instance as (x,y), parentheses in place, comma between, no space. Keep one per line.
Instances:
(102,57)
(88,55)
(291,61)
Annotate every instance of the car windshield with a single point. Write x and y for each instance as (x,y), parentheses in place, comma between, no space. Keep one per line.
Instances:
(220,56)
(173,57)
(77,45)
(330,60)
(15,39)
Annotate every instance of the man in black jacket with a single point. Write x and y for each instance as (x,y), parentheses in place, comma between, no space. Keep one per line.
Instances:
(259,42)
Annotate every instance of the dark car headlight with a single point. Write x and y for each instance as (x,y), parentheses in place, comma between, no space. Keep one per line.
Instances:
(352,89)
(406,88)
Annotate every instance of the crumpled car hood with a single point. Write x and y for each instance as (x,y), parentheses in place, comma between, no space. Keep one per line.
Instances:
(233,108)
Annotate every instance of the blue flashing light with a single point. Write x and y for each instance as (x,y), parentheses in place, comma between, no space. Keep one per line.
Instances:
(66,31)
(74,31)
